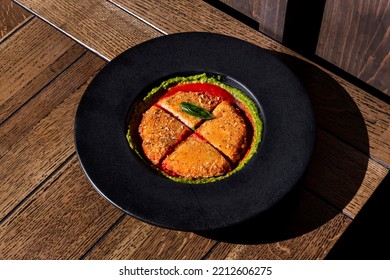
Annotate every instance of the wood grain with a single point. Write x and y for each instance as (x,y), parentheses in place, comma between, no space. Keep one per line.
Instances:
(342,175)
(13,130)
(178,16)
(270,14)
(29,61)
(30,160)
(313,242)
(62,220)
(132,239)
(107,30)
(355,36)
(12,16)
(245,7)
(374,112)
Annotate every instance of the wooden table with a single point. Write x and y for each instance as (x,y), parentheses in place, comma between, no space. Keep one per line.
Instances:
(48,208)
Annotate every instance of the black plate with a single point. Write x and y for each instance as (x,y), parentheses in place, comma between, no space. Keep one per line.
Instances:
(118,174)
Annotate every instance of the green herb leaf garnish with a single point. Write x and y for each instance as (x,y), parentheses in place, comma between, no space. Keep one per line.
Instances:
(195,110)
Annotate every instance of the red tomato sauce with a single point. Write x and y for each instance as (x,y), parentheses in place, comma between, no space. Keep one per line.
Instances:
(204,88)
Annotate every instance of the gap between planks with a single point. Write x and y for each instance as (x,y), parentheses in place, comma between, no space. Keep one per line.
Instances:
(63,32)
(84,53)
(12,17)
(138,17)
(16,29)
(30,194)
(111,228)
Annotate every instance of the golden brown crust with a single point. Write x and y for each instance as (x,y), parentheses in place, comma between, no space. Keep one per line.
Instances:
(172,105)
(211,150)
(227,131)
(159,132)
(195,158)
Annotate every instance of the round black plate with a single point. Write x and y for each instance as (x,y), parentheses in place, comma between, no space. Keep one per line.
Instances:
(121,177)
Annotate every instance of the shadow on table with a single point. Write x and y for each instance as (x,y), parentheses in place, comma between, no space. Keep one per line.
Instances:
(367,238)
(334,175)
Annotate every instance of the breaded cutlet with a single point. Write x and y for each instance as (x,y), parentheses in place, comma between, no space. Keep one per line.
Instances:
(227,131)
(195,158)
(160,132)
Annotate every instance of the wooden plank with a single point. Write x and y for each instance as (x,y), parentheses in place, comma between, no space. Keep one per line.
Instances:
(247,7)
(303,219)
(270,14)
(12,16)
(345,110)
(355,36)
(13,130)
(62,220)
(107,30)
(29,162)
(376,115)
(307,231)
(30,60)
(173,17)
(132,239)
(342,175)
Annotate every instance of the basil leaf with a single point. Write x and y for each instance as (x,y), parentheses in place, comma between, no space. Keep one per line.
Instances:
(195,110)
